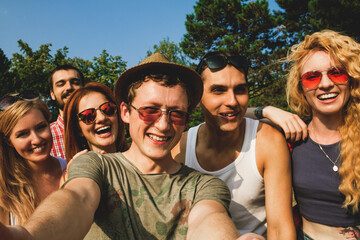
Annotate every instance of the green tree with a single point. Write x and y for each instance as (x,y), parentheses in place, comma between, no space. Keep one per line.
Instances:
(31,69)
(106,69)
(239,26)
(171,51)
(5,75)
(301,17)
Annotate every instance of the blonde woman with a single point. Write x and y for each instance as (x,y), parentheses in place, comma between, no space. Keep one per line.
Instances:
(28,174)
(323,85)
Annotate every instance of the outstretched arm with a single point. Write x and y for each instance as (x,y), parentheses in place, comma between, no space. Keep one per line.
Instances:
(208,219)
(65,214)
(292,125)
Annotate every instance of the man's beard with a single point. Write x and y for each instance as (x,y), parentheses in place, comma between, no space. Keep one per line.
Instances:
(59,103)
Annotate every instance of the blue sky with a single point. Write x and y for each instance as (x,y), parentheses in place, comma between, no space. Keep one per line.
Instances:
(126,28)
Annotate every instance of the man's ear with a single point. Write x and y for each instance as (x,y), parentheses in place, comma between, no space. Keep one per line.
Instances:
(124,112)
(52,95)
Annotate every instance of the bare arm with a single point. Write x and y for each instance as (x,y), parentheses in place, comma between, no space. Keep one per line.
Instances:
(208,220)
(272,152)
(293,126)
(65,214)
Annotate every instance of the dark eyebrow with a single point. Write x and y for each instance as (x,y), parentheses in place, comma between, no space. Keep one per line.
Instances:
(223,86)
(244,85)
(217,86)
(71,79)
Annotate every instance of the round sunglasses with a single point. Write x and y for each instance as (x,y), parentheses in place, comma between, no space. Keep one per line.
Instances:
(151,114)
(9,100)
(311,80)
(88,116)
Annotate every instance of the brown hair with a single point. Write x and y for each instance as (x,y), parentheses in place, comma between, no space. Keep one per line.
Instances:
(73,141)
(65,67)
(168,80)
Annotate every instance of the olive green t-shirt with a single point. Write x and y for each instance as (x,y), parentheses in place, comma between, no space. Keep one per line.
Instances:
(144,206)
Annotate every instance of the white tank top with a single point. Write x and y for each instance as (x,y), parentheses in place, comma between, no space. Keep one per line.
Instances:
(246,185)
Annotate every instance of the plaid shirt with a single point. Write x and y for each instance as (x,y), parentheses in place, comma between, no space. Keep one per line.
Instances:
(57,130)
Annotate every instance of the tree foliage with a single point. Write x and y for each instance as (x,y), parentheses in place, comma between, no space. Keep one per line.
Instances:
(106,69)
(303,17)
(30,69)
(238,26)
(5,76)
(171,51)
(243,26)
(264,37)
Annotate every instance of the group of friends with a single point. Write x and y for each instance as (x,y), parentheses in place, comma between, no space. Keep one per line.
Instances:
(231,177)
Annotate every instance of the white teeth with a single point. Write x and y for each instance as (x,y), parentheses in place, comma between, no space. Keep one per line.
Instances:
(157,138)
(38,149)
(327,96)
(103,128)
(228,114)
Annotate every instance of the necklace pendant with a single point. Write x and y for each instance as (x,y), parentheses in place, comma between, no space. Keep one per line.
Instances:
(335,168)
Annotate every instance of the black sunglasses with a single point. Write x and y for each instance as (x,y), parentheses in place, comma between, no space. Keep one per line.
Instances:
(9,100)
(88,116)
(218,61)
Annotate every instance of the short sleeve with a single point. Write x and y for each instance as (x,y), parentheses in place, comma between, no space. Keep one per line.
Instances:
(212,188)
(87,165)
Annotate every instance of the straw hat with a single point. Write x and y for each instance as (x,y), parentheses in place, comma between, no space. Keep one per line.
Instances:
(158,62)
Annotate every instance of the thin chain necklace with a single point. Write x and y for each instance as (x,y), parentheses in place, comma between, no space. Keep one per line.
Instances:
(335,167)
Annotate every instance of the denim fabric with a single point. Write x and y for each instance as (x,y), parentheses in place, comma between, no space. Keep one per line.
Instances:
(303,236)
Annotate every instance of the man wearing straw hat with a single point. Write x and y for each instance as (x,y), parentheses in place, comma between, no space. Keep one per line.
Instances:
(142,193)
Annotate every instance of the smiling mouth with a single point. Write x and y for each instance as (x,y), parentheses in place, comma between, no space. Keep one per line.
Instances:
(103,130)
(327,96)
(65,96)
(157,138)
(229,114)
(38,149)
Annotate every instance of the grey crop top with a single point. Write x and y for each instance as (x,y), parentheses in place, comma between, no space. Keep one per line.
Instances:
(316,185)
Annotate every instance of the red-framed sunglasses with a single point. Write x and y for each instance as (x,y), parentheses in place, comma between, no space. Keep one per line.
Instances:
(151,114)
(88,116)
(311,80)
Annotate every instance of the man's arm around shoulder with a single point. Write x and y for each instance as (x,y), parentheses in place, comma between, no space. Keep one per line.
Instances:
(272,154)
(65,214)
